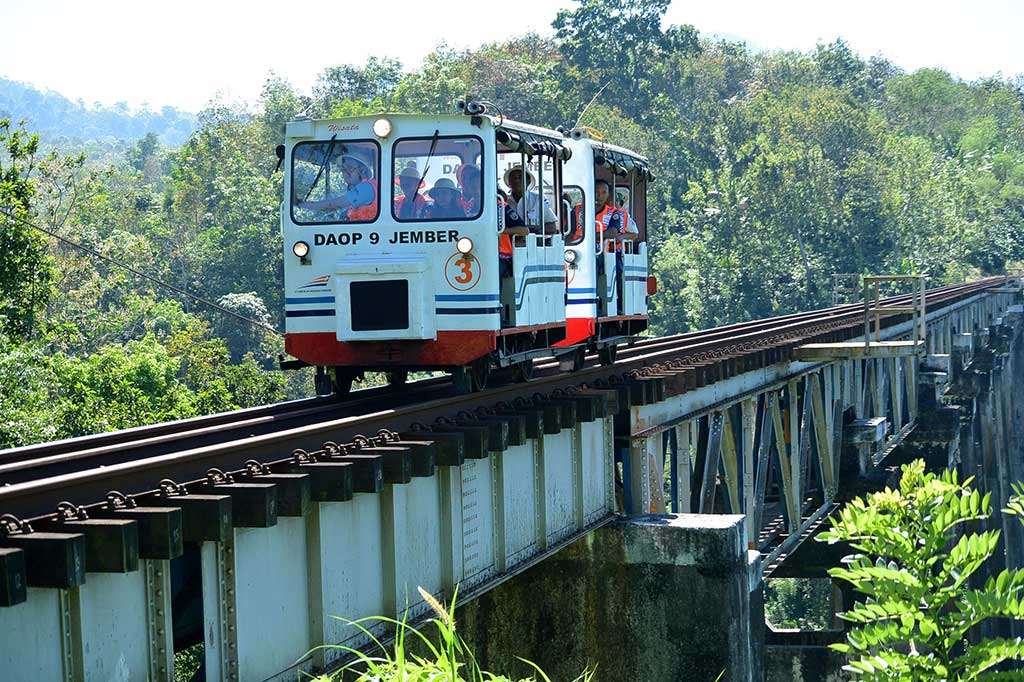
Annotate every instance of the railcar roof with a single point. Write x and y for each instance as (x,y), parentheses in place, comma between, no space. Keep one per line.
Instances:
(527,130)
(600,144)
(530,130)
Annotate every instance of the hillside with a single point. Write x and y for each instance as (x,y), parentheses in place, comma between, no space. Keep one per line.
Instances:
(57,119)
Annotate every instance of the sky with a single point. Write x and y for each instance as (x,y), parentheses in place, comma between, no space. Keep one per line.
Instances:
(184,53)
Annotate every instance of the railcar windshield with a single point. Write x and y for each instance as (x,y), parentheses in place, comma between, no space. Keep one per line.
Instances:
(335,181)
(437,179)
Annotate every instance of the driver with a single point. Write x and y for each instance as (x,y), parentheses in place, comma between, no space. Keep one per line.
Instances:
(358,200)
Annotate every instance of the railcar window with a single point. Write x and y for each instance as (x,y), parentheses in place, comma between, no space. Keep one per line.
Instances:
(335,181)
(438,179)
(574,201)
(530,209)
(633,198)
(622,198)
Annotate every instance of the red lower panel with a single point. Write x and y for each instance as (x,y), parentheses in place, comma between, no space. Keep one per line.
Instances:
(450,348)
(577,329)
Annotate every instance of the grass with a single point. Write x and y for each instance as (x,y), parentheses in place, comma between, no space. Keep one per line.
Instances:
(446,658)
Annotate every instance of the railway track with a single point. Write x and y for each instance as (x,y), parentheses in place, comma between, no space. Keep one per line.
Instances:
(264,440)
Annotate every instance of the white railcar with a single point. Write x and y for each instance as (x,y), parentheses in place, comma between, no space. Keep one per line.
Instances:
(409,245)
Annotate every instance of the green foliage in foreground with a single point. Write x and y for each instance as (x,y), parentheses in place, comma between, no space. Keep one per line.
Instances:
(446,659)
(917,564)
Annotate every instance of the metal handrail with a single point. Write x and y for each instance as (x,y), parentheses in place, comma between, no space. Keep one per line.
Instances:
(916,307)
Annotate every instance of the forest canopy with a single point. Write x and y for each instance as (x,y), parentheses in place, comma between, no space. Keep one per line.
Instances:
(775,170)
(56,118)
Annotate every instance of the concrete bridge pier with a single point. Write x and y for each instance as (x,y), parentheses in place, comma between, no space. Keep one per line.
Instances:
(654,597)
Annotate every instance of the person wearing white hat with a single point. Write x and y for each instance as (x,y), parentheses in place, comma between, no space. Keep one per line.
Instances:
(528,204)
(411,205)
(446,201)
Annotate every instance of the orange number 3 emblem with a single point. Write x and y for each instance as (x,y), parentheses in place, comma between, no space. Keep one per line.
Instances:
(465,276)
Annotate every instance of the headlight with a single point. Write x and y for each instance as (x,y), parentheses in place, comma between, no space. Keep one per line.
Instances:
(570,256)
(464,245)
(382,127)
(300,249)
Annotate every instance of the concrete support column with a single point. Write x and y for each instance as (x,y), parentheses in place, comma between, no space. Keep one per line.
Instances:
(654,597)
(1014,406)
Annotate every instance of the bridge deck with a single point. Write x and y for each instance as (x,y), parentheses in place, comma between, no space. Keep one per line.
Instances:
(350,526)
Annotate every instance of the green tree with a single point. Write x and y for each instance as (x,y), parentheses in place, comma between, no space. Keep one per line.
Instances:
(119,387)
(611,47)
(221,230)
(281,103)
(520,76)
(916,565)
(25,274)
(25,405)
(931,103)
(372,85)
(240,336)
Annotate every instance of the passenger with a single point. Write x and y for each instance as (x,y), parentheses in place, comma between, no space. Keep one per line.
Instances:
(446,205)
(410,184)
(620,202)
(529,207)
(358,201)
(513,227)
(612,222)
(469,183)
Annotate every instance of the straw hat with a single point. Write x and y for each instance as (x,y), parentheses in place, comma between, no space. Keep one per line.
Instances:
(530,180)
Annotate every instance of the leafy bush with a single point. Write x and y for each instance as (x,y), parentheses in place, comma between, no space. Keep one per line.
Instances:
(915,563)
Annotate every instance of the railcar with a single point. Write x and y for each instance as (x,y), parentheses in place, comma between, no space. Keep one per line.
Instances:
(463,243)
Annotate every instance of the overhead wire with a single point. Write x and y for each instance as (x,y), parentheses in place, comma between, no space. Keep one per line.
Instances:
(155,280)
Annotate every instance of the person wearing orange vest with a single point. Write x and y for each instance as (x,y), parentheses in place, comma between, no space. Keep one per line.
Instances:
(513,226)
(358,202)
(612,222)
(468,175)
(411,205)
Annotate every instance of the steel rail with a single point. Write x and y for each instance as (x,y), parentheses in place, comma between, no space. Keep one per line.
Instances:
(289,409)
(43,464)
(38,497)
(224,426)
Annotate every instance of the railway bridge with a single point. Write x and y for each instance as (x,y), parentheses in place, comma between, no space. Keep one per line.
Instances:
(625,514)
